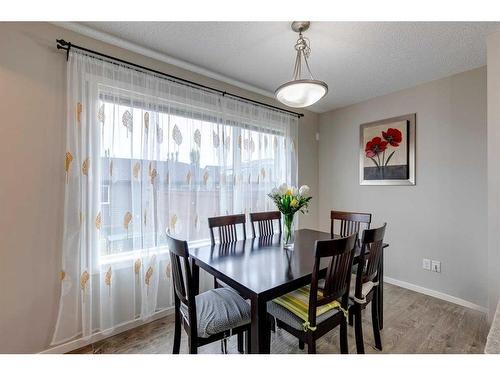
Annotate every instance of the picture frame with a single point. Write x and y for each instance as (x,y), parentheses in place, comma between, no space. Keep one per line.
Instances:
(387,151)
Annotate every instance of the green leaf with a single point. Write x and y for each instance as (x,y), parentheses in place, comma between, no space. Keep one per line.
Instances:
(378,166)
(389,158)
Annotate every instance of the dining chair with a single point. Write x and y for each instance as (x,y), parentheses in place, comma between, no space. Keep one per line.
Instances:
(227,226)
(365,285)
(265,222)
(349,222)
(207,317)
(228,233)
(310,312)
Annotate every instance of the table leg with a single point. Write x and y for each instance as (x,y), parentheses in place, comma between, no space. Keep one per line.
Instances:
(195,274)
(381,292)
(259,327)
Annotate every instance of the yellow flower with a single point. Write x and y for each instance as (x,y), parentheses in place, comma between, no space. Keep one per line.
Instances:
(294,202)
(288,192)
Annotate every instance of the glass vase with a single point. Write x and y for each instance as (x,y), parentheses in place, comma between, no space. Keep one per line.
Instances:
(288,231)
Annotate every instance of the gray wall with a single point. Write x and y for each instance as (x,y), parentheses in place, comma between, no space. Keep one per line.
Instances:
(32,147)
(493,170)
(444,216)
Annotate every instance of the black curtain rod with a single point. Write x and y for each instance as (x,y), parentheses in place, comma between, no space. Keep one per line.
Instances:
(62,44)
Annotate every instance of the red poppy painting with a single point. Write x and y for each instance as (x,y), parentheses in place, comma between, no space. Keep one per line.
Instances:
(387,154)
(375,146)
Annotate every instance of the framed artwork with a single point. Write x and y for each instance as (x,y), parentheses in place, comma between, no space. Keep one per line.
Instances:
(387,151)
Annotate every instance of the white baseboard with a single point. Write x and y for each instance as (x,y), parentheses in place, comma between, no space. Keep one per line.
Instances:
(78,343)
(436,294)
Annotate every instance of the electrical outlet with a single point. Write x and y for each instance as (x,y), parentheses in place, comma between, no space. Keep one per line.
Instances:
(426,264)
(436,266)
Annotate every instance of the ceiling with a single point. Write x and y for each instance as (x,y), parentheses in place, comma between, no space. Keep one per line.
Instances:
(358,60)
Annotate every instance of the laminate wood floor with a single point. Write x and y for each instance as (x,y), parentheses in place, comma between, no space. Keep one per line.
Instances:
(413,323)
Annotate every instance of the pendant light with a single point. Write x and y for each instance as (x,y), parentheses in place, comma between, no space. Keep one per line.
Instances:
(301,92)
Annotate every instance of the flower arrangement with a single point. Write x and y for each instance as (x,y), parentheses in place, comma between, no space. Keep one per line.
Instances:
(289,200)
(375,147)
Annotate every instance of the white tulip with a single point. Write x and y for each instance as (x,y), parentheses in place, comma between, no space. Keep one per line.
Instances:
(283,188)
(304,190)
(294,190)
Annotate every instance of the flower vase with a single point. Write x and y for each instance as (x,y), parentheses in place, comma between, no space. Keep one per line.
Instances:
(288,231)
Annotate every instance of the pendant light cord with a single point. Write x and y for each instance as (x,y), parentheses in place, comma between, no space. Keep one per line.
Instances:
(303,50)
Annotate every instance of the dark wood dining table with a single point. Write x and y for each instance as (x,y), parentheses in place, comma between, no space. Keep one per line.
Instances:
(261,270)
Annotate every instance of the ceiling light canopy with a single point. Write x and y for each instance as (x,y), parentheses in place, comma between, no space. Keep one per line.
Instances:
(301,92)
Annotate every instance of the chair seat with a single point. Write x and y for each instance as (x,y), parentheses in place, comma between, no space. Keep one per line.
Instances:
(365,289)
(295,313)
(286,316)
(219,310)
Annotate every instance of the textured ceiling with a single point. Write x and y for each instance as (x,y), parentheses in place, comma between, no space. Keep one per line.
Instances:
(358,60)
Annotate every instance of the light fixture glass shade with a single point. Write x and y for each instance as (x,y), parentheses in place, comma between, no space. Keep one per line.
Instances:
(301,92)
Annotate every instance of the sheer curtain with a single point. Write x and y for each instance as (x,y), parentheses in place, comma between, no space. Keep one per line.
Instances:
(146,155)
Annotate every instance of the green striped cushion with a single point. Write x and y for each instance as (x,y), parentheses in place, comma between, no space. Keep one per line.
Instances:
(297,302)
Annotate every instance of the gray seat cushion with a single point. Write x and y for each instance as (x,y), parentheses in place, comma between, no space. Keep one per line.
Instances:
(365,289)
(288,317)
(219,310)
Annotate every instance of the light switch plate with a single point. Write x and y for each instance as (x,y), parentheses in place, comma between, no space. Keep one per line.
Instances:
(426,264)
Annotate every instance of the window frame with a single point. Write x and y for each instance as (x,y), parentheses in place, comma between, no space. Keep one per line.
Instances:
(183,110)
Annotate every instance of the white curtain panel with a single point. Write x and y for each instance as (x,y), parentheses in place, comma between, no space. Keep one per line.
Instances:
(145,155)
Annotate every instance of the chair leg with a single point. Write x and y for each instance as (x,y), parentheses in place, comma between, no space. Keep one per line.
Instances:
(344,345)
(193,345)
(311,346)
(301,345)
(358,330)
(351,316)
(248,341)
(240,343)
(177,332)
(375,321)
(223,346)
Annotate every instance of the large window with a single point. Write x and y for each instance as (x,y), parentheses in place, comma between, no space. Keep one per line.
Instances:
(164,171)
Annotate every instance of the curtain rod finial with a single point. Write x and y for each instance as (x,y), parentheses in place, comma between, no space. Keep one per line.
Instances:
(62,44)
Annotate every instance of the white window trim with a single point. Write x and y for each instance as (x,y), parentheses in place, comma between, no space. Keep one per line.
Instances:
(134,254)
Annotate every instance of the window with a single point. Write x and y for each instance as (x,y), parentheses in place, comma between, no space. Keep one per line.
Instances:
(162,171)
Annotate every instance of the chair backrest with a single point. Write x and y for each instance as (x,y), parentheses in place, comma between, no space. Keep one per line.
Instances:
(227,227)
(182,278)
(338,274)
(372,243)
(349,222)
(264,221)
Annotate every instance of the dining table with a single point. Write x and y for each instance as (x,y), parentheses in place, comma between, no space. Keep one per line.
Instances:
(260,269)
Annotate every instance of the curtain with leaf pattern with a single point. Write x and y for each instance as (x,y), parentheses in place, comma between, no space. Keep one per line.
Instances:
(145,155)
